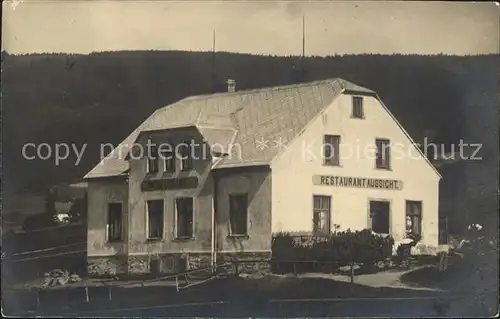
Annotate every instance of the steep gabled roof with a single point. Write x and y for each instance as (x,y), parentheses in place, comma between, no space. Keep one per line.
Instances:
(253,114)
(249,120)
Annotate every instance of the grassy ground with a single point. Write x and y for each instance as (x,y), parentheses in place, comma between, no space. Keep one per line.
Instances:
(429,276)
(248,295)
(129,292)
(473,277)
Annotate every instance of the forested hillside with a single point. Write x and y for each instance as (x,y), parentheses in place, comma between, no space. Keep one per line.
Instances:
(101,97)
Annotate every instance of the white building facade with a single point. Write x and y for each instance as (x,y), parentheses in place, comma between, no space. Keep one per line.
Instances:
(359,187)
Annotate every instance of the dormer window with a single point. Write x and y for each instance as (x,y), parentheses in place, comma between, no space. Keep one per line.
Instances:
(168,157)
(152,160)
(186,156)
(357,107)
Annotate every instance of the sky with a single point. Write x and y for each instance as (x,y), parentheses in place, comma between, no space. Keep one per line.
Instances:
(256,27)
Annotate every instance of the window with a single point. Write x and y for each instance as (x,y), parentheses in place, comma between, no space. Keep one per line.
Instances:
(331,145)
(152,159)
(168,157)
(155,219)
(379,214)
(185,212)
(186,156)
(114,222)
(321,215)
(357,107)
(238,214)
(383,158)
(413,217)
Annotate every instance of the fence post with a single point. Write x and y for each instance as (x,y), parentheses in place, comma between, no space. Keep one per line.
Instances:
(87,294)
(109,293)
(37,297)
(294,269)
(447,232)
(352,272)
(442,262)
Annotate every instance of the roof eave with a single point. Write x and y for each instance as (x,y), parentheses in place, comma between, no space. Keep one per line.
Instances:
(356,92)
(105,176)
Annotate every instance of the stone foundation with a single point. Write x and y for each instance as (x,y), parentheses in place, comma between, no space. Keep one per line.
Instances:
(138,265)
(164,264)
(197,261)
(247,262)
(106,266)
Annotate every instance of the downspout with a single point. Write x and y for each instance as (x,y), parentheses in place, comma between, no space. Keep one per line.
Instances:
(215,180)
(215,205)
(214,224)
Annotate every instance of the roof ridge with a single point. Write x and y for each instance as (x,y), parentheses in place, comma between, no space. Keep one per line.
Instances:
(263,89)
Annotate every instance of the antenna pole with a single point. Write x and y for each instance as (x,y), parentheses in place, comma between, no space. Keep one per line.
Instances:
(302,59)
(213,44)
(213,61)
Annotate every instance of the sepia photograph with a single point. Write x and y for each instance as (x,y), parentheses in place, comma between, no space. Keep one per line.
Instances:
(249,158)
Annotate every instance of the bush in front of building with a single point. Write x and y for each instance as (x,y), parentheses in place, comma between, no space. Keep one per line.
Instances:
(329,253)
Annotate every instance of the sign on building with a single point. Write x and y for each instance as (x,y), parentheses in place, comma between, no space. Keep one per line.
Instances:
(357,182)
(170,183)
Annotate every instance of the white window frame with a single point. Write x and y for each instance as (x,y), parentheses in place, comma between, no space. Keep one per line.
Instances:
(314,232)
(336,158)
(421,214)
(147,219)
(189,155)
(165,160)
(353,114)
(108,240)
(176,218)
(158,162)
(388,149)
(231,234)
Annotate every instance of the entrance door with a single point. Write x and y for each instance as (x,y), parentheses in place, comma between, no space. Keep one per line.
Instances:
(380,218)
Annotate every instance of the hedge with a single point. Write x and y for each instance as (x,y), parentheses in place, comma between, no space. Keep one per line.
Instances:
(336,250)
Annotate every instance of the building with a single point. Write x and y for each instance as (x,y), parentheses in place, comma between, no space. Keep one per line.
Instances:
(308,158)
(69,201)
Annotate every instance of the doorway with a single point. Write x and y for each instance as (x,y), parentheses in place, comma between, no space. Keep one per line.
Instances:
(379,219)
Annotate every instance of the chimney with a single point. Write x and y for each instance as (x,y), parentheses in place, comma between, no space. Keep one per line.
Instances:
(231,85)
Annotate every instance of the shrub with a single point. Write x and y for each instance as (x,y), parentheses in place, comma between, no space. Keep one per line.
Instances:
(340,249)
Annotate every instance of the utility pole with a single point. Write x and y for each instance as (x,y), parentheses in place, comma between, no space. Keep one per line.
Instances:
(298,69)
(302,59)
